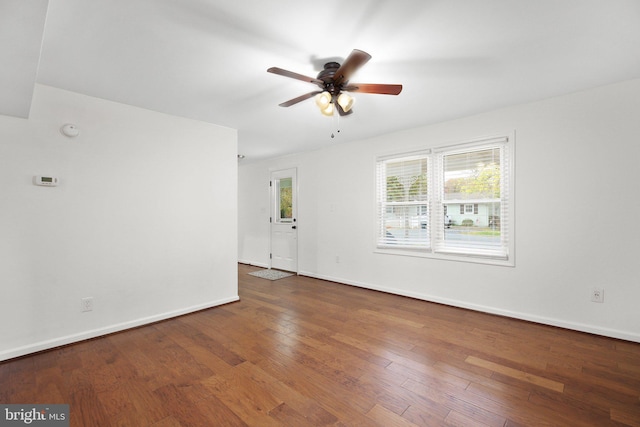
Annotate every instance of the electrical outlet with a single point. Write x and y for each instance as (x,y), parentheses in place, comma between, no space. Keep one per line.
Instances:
(597,295)
(86,304)
(337,259)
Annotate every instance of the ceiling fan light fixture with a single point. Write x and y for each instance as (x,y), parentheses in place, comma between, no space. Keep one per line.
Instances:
(346,102)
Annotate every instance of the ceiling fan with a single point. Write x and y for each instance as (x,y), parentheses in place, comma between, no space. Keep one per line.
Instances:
(333,81)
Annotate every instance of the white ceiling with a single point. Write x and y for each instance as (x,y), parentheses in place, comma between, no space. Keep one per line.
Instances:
(207,59)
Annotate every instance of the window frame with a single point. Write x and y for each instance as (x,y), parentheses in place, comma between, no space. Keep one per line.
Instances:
(504,253)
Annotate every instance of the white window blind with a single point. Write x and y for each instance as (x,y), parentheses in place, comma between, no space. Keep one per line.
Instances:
(403,202)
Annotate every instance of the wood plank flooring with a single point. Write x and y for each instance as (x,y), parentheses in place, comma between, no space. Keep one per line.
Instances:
(304,352)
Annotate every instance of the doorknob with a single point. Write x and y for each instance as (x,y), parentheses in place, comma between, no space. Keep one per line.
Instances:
(294,227)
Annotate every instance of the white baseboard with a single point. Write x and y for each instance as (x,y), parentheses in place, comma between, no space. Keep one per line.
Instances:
(255,264)
(580,327)
(85,335)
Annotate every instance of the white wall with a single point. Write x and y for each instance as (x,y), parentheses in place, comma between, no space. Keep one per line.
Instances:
(576,163)
(144,220)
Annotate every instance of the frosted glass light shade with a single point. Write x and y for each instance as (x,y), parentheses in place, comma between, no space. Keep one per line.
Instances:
(345,101)
(328,110)
(323,99)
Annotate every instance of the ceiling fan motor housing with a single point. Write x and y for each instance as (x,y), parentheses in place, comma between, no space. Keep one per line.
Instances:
(327,76)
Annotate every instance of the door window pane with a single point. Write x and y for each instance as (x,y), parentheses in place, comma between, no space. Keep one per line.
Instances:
(285,203)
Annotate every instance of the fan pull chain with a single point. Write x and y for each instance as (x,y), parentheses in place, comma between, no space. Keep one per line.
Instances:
(336,127)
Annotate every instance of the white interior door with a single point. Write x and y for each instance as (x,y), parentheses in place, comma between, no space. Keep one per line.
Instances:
(284,225)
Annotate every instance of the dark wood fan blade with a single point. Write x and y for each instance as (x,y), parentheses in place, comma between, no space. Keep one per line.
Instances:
(281,72)
(341,111)
(373,88)
(356,59)
(290,102)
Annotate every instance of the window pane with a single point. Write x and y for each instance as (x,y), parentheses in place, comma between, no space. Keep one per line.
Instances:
(472,175)
(406,180)
(481,228)
(285,193)
(405,225)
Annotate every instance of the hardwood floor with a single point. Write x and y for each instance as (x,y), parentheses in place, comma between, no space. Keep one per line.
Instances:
(304,352)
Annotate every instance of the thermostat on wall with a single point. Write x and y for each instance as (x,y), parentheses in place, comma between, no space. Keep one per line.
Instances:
(48,181)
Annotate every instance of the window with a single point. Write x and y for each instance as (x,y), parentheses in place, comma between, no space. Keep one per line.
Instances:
(403,205)
(451,202)
(284,209)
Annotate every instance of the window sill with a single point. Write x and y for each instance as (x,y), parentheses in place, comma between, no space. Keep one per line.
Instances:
(489,259)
